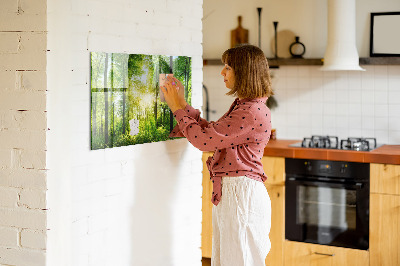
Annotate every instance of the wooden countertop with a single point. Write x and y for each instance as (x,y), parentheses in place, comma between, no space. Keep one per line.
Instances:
(389,154)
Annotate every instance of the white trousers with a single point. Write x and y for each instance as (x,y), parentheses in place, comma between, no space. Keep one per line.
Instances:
(241,223)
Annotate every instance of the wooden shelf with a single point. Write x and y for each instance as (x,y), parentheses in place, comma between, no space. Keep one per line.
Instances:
(273,63)
(380,61)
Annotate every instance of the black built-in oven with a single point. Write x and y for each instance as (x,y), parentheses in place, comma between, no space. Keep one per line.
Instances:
(327,202)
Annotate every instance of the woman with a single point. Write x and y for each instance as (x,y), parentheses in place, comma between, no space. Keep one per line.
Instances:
(242,208)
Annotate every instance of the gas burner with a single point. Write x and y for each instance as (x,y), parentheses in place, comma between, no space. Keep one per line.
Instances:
(332,142)
(327,142)
(358,144)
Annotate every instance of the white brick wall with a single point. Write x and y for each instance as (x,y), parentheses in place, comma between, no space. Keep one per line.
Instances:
(23,132)
(135,205)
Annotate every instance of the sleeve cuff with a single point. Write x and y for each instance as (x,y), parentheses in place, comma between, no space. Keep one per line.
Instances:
(178,115)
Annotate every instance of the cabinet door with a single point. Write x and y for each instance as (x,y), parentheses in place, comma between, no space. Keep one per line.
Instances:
(385,178)
(384,230)
(206,232)
(274,168)
(304,254)
(277,233)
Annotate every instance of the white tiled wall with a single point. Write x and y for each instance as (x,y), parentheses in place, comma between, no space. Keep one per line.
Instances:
(312,102)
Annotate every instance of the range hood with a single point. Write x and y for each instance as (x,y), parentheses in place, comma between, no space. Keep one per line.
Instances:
(341,51)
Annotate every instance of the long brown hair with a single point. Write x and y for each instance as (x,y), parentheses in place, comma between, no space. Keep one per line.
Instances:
(250,66)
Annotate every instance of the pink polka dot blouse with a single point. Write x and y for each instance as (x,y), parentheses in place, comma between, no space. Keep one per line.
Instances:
(238,139)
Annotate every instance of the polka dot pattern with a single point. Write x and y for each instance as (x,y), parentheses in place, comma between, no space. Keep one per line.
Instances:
(238,139)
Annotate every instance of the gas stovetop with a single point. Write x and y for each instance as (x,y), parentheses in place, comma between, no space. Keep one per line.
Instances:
(332,142)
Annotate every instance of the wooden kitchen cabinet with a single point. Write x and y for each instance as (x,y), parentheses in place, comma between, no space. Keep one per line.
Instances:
(384,236)
(206,225)
(277,233)
(305,254)
(385,178)
(385,215)
(274,168)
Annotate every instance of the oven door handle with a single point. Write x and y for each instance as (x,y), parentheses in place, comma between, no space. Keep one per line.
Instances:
(357,185)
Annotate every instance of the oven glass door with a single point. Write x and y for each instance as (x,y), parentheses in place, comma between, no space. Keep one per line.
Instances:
(326,213)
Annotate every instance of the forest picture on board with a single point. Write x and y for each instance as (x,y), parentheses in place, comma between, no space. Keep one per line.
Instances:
(125,97)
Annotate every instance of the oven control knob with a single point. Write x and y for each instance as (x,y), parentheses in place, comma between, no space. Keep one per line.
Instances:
(308,166)
(343,168)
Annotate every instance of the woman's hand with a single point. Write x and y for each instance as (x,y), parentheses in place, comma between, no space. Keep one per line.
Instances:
(174,94)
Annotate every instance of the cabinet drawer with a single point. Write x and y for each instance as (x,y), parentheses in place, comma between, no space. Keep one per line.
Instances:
(304,254)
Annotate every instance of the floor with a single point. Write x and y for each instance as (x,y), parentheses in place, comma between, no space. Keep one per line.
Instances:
(206,261)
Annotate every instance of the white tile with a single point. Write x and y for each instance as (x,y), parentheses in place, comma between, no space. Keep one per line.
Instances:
(303,131)
(279,72)
(329,109)
(394,97)
(342,122)
(369,70)
(367,82)
(317,107)
(317,131)
(394,70)
(342,109)
(381,110)
(394,137)
(328,74)
(381,123)
(293,120)
(394,110)
(329,122)
(331,131)
(355,132)
(354,80)
(316,72)
(292,82)
(394,123)
(381,84)
(382,136)
(303,82)
(317,95)
(278,83)
(329,94)
(342,81)
(355,109)
(305,109)
(354,75)
(381,97)
(317,121)
(367,133)
(367,110)
(367,123)
(316,82)
(291,71)
(342,96)
(342,133)
(355,96)
(380,71)
(355,122)
(367,96)
(304,72)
